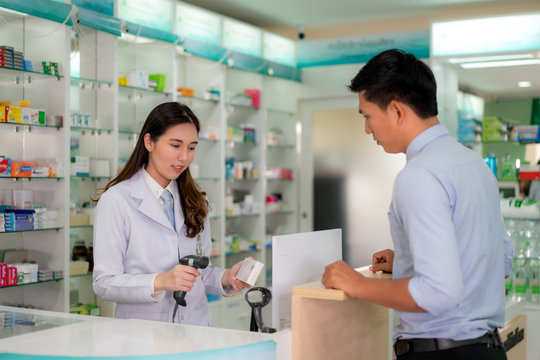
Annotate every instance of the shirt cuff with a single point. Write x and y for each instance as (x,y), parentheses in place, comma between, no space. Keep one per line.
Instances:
(227,291)
(158,295)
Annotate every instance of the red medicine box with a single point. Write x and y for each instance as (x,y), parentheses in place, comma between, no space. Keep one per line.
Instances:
(12,275)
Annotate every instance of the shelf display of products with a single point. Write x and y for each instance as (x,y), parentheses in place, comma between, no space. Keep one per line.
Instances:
(524,282)
(93,125)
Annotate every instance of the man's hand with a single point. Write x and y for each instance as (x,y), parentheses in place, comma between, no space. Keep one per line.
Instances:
(383,261)
(341,276)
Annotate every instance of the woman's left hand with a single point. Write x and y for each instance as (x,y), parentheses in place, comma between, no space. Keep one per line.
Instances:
(229,277)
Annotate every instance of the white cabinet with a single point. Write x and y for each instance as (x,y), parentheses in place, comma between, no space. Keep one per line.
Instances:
(42,145)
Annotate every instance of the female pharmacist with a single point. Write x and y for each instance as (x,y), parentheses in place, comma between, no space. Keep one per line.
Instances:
(139,238)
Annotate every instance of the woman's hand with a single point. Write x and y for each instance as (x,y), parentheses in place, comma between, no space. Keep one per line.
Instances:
(229,277)
(179,278)
(383,261)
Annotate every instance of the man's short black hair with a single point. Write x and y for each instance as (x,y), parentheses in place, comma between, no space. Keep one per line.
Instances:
(396,75)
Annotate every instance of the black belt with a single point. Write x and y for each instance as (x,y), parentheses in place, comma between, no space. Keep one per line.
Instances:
(404,346)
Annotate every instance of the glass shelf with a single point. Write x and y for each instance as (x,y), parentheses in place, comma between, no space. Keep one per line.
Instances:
(241,251)
(232,142)
(82,227)
(129,133)
(81,275)
(231,181)
(287,146)
(196,98)
(13,75)
(240,106)
(144,90)
(206,179)
(81,82)
(30,178)
(209,140)
(277,111)
(282,212)
(279,179)
(93,178)
(21,231)
(32,283)
(30,126)
(82,129)
(239,216)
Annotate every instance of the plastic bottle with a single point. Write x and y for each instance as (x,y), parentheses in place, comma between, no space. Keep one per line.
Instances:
(513,233)
(519,277)
(534,275)
(491,161)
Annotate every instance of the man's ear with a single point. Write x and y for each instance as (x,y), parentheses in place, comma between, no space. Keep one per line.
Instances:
(397,111)
(148,144)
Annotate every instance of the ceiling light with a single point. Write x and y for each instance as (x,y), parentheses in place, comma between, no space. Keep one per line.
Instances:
(494,64)
(135,39)
(524,84)
(490,58)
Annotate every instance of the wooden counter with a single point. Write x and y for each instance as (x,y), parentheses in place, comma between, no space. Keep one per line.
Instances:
(327,324)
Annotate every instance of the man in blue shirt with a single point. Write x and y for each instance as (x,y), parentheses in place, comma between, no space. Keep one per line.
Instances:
(451,252)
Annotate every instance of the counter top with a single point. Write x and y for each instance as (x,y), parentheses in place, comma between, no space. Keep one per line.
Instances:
(316,290)
(62,334)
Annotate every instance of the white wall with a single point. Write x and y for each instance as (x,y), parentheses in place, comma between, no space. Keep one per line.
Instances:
(332,127)
(369,172)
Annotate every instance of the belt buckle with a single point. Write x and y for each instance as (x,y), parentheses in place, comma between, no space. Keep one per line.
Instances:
(402,347)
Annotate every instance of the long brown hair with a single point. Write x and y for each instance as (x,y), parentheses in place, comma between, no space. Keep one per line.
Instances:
(192,198)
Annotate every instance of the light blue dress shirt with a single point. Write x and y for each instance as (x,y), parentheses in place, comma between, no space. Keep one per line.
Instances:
(449,237)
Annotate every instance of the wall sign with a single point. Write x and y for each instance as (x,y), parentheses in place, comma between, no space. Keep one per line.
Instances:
(155,14)
(241,37)
(359,49)
(198,24)
(487,35)
(279,49)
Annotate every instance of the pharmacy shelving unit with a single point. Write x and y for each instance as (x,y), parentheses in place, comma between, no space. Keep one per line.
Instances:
(39,40)
(93,132)
(116,114)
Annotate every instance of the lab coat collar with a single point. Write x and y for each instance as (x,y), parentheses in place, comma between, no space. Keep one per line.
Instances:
(149,205)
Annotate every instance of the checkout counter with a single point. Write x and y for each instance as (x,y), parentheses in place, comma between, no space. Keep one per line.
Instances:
(326,324)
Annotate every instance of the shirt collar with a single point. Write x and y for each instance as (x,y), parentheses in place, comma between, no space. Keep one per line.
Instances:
(424,138)
(154,187)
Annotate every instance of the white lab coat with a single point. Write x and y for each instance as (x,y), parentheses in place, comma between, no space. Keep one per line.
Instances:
(133,241)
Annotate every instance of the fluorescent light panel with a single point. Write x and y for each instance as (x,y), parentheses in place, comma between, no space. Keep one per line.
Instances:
(135,39)
(494,64)
(524,84)
(490,58)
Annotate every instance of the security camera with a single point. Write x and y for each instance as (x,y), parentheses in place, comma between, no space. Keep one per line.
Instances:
(301,33)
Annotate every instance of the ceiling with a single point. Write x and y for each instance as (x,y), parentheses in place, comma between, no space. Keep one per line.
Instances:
(496,83)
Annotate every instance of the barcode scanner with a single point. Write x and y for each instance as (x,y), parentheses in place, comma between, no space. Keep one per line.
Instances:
(259,298)
(198,262)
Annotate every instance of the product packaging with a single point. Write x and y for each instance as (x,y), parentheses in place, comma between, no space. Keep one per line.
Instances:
(528,133)
(3,275)
(5,166)
(12,275)
(249,271)
(21,169)
(494,129)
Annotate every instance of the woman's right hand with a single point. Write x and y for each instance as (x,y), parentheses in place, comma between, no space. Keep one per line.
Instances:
(179,278)
(383,261)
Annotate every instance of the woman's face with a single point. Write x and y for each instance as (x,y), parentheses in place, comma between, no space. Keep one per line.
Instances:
(171,153)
